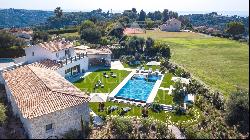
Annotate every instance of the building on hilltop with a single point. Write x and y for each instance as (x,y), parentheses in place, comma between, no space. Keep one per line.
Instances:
(172,25)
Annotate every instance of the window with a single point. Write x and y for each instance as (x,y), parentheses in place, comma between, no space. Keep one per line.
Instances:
(49,127)
(66,52)
(33,54)
(67,71)
(57,54)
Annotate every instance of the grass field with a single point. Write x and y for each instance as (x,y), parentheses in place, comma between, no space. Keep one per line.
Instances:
(220,63)
(110,83)
(70,34)
(155,34)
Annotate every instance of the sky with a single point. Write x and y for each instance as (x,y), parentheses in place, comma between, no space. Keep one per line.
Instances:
(120,5)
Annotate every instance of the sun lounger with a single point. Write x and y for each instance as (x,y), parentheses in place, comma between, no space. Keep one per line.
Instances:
(138,104)
(126,109)
(112,108)
(120,101)
(106,76)
(113,75)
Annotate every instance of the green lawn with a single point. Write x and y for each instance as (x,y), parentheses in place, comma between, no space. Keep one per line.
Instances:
(162,97)
(136,111)
(220,63)
(111,83)
(70,34)
(166,82)
(161,34)
(88,83)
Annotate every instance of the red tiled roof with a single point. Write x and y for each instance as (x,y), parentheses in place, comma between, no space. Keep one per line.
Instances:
(47,63)
(38,91)
(55,45)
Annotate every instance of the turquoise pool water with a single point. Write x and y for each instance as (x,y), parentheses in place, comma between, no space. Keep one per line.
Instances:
(6,60)
(137,88)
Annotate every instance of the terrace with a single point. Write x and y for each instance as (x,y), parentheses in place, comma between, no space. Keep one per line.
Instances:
(111,84)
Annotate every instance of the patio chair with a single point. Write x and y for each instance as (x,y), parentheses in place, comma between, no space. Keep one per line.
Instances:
(106,76)
(102,85)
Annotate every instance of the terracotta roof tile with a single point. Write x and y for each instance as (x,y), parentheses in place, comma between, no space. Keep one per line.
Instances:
(48,64)
(55,45)
(38,91)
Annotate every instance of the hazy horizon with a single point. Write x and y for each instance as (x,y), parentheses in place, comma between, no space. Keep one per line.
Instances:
(224,7)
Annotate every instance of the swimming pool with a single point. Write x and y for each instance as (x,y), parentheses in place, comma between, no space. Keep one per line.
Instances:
(6,60)
(137,89)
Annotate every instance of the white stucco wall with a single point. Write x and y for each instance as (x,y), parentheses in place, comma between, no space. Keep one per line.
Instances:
(83,65)
(42,53)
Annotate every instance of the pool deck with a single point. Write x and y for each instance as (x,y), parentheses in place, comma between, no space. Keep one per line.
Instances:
(151,95)
(154,91)
(116,90)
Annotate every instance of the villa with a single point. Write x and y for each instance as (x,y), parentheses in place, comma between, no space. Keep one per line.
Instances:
(172,25)
(39,90)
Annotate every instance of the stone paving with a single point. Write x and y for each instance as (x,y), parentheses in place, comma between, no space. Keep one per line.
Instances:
(175,130)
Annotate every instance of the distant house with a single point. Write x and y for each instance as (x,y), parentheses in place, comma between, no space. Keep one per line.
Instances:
(172,25)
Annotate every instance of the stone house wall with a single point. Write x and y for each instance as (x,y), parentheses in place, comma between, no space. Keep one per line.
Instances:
(62,120)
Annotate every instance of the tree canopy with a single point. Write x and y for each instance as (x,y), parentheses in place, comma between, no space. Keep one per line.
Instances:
(7,40)
(142,16)
(235,28)
(58,12)
(90,32)
(237,110)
